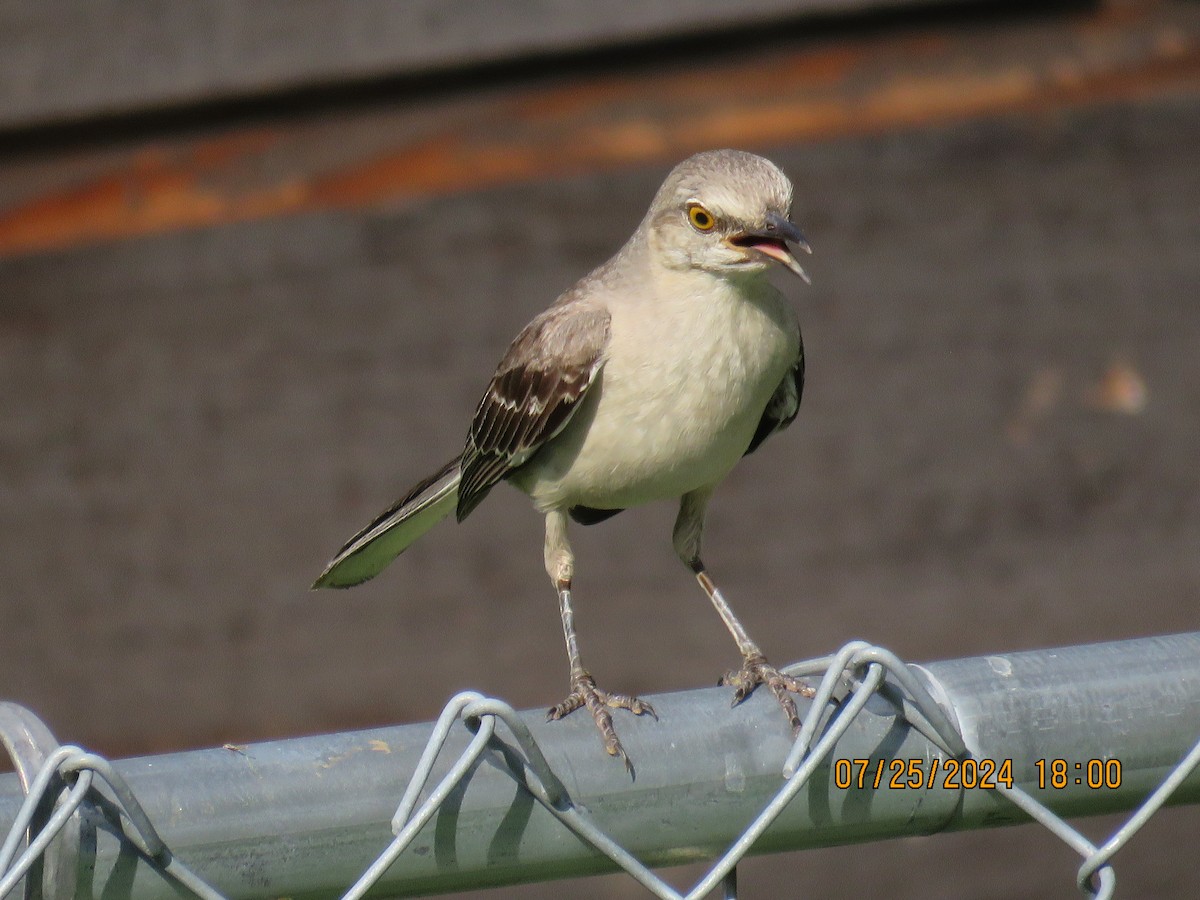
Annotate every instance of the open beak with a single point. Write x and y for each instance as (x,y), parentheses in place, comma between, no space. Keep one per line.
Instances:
(772,241)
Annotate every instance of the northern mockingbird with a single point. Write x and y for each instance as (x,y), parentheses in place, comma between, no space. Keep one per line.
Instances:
(647,380)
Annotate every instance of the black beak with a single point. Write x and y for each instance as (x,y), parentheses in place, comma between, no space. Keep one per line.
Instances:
(778,226)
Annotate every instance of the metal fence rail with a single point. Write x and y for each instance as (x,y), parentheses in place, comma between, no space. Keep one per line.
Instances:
(489,796)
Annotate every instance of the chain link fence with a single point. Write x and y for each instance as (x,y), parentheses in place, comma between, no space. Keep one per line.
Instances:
(490,796)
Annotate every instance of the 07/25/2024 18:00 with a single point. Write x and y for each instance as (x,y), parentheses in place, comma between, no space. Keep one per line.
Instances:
(970,774)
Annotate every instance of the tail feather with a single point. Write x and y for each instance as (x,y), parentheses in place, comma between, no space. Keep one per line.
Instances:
(367,553)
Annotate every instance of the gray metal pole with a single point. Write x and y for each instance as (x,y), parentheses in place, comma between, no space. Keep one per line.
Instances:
(307,816)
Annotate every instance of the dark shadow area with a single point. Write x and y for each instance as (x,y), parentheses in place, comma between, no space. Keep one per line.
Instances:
(362,94)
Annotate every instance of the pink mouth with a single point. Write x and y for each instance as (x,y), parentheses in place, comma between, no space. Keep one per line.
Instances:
(772,248)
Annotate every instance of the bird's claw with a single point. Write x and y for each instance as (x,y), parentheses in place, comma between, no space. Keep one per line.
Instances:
(755,671)
(585,693)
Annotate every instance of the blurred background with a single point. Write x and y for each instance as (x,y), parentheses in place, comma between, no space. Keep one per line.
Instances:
(258,260)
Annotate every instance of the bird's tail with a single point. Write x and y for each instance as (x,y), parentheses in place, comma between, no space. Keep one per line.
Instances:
(368,552)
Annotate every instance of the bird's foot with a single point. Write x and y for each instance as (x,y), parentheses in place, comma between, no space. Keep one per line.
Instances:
(755,671)
(585,693)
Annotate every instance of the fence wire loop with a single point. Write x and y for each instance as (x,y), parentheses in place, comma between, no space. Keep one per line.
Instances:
(29,743)
(68,776)
(1141,816)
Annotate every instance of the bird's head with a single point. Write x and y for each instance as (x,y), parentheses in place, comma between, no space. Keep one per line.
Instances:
(727,212)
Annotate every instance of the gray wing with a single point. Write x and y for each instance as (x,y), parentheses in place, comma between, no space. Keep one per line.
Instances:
(783,405)
(536,388)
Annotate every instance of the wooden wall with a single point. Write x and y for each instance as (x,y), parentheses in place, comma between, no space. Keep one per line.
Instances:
(229,334)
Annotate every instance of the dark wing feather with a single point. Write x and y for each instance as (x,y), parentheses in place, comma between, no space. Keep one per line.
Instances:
(536,389)
(783,405)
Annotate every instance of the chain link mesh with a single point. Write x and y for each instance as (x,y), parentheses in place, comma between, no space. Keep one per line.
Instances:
(69,776)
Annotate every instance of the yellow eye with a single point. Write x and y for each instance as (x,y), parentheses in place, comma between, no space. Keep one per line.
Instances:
(701,218)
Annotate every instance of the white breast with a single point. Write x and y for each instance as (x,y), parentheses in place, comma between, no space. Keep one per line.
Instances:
(683,389)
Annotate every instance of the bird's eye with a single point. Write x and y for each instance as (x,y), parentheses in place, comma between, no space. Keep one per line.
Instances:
(701,218)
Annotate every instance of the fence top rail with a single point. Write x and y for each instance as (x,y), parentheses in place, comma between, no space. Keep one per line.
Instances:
(309,815)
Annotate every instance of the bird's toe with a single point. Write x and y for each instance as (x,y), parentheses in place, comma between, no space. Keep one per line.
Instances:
(755,671)
(584,693)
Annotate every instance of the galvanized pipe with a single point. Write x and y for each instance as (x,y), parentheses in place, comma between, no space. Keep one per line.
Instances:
(305,817)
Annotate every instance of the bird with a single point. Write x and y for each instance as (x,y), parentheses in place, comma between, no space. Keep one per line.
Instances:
(647,380)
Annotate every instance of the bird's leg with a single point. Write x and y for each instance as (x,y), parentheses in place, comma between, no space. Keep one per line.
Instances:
(585,693)
(755,669)
(560,564)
